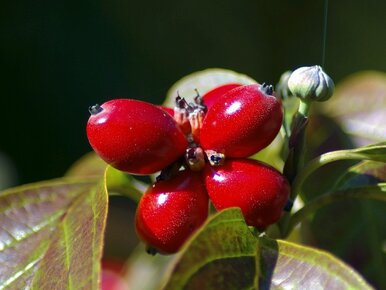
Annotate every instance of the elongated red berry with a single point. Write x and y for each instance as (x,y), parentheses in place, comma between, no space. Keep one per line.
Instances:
(171,210)
(242,122)
(135,136)
(259,190)
(211,97)
(168,110)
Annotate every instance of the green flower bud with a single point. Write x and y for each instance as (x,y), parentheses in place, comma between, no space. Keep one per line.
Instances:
(311,83)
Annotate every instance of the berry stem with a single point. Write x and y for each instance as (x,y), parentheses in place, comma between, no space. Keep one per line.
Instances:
(304,107)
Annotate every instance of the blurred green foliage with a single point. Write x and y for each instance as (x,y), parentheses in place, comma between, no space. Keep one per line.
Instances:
(59,57)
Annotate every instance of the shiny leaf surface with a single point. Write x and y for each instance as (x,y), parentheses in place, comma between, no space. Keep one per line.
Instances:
(51,235)
(285,265)
(221,255)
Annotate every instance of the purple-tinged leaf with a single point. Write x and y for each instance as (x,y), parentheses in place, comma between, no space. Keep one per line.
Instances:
(51,235)
(284,265)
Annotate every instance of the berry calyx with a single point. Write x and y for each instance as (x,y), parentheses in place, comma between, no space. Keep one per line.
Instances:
(243,121)
(259,190)
(171,210)
(135,136)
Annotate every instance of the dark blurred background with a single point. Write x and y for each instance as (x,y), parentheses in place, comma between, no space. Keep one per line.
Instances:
(59,57)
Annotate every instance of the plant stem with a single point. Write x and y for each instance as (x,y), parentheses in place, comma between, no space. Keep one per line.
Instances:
(376,192)
(295,159)
(296,144)
(304,107)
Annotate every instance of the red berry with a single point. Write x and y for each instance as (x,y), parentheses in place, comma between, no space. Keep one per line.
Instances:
(168,110)
(259,190)
(135,136)
(241,122)
(171,210)
(211,96)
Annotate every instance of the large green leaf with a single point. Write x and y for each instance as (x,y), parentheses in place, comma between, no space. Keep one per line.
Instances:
(225,254)
(284,265)
(51,235)
(357,232)
(221,255)
(204,81)
(359,104)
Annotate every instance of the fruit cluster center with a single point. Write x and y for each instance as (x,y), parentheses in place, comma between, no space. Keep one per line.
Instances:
(201,149)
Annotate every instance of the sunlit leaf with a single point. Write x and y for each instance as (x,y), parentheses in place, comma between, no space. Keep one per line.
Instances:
(204,81)
(284,265)
(221,255)
(359,104)
(51,235)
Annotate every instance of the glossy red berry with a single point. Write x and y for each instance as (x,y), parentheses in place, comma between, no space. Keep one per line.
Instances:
(168,110)
(242,122)
(171,210)
(259,190)
(135,136)
(211,97)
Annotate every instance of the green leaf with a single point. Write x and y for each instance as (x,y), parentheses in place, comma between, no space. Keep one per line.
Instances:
(284,265)
(51,235)
(204,81)
(375,192)
(374,152)
(221,255)
(363,173)
(359,224)
(359,105)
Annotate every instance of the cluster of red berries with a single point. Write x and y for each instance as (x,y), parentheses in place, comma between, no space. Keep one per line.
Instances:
(201,150)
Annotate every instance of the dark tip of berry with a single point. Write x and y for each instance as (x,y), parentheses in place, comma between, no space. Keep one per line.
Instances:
(288,205)
(190,153)
(181,103)
(267,89)
(151,251)
(95,109)
(215,159)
